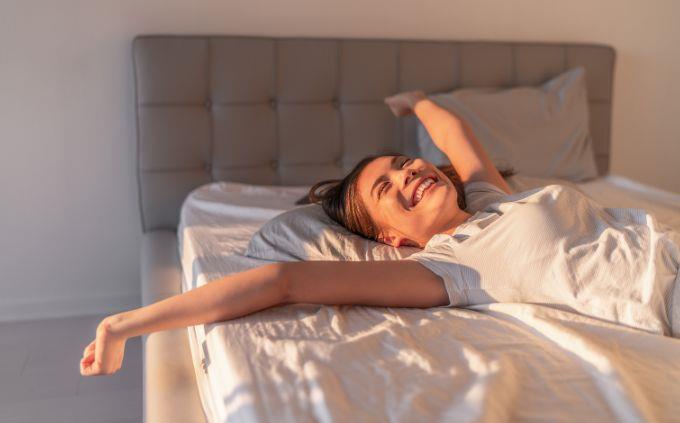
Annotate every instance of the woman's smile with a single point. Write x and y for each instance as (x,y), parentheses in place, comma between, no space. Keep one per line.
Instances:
(424,187)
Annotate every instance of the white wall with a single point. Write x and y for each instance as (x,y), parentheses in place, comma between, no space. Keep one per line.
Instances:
(69,225)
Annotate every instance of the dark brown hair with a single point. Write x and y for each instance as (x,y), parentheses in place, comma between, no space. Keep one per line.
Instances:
(341,202)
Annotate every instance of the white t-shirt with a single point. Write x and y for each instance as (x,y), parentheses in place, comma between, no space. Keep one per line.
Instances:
(556,246)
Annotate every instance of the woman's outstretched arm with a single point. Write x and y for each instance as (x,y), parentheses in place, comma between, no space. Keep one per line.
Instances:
(452,135)
(378,283)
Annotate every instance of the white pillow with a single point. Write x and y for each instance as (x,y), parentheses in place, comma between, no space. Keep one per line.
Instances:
(308,233)
(539,131)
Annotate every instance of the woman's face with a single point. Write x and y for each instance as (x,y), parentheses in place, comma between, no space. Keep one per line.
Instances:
(409,199)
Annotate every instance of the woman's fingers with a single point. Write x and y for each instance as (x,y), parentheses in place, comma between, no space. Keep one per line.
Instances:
(87,360)
(91,369)
(399,104)
(89,348)
(87,357)
(396,110)
(87,364)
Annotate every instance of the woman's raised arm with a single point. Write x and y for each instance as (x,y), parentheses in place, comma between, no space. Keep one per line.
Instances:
(379,283)
(452,135)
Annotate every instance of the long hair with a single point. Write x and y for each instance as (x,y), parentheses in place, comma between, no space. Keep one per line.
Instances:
(340,198)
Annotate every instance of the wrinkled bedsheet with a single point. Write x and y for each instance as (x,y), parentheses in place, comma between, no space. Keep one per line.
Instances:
(497,362)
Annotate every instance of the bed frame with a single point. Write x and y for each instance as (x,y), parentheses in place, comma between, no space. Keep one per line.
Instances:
(292,111)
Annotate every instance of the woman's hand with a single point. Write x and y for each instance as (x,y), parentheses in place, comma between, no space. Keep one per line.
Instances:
(402,104)
(104,355)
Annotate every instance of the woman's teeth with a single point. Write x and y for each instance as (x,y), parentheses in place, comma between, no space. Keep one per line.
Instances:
(421,189)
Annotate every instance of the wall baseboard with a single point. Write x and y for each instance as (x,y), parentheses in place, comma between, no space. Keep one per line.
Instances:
(66,307)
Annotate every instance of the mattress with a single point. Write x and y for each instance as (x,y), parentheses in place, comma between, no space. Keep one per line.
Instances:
(495,362)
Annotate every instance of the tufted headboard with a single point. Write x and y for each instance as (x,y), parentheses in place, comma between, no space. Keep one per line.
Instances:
(293,111)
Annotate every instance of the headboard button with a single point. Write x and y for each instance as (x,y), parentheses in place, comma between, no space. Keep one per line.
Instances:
(272,103)
(274,164)
(336,103)
(207,167)
(208,104)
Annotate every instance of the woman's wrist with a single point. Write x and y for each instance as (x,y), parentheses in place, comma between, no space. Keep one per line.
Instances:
(417,97)
(115,325)
(423,103)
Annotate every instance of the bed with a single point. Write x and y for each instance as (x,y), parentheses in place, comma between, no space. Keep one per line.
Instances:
(231,109)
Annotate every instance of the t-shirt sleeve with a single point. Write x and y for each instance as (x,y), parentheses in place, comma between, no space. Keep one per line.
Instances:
(442,261)
(479,194)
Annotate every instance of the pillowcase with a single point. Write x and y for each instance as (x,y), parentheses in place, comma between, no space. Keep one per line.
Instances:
(308,233)
(538,131)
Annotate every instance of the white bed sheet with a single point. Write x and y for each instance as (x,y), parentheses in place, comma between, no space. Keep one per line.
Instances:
(495,362)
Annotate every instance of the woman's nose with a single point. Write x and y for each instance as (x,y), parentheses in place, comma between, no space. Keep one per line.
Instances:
(410,174)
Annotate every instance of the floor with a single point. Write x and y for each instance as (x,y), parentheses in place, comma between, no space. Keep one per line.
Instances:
(40,379)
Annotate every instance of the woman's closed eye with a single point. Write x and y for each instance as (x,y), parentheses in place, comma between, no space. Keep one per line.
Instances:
(382,189)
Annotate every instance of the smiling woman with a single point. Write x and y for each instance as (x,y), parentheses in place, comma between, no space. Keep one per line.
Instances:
(357,200)
(368,201)
(500,248)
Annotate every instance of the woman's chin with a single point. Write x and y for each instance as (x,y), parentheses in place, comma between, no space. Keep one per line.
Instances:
(440,204)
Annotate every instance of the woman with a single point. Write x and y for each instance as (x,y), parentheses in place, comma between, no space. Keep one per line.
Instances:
(550,245)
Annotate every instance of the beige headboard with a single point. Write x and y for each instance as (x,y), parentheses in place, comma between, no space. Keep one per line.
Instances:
(292,111)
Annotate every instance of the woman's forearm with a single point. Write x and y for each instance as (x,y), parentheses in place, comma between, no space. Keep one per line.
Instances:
(233,296)
(456,139)
(445,128)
